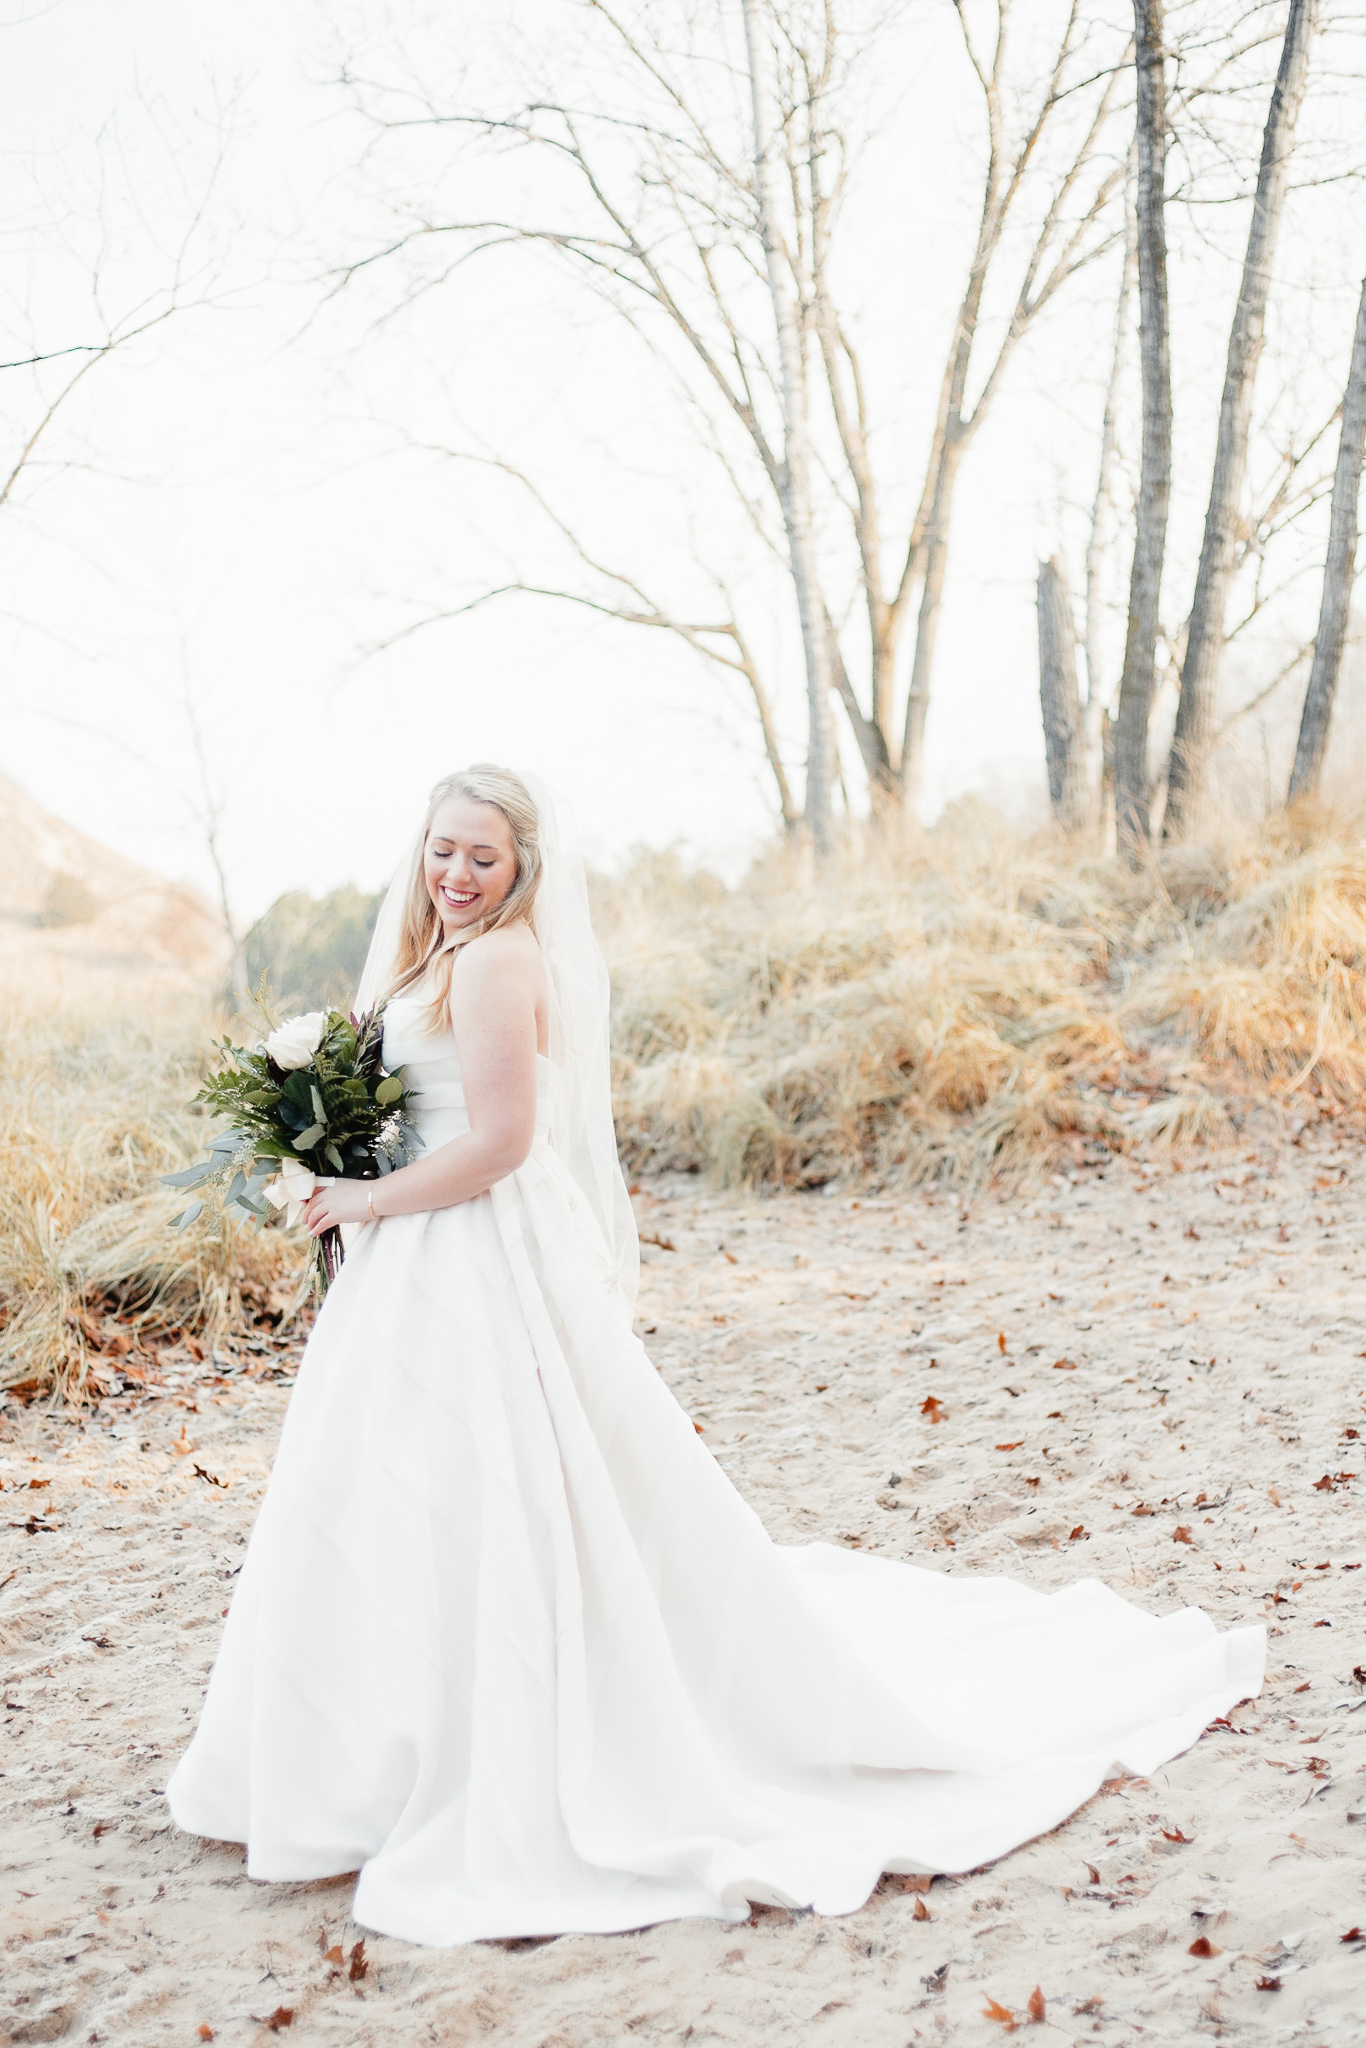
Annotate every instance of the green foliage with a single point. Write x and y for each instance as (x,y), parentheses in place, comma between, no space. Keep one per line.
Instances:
(311,949)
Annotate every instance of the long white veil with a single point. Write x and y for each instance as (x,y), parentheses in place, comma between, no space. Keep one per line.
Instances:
(582,1133)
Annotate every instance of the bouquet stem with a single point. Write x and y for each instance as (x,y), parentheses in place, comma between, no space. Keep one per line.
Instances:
(329,1258)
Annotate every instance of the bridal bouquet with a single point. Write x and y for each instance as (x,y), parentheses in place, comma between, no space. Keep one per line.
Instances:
(310,1103)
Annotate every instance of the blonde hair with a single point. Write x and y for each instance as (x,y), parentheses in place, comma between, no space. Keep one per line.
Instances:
(422,940)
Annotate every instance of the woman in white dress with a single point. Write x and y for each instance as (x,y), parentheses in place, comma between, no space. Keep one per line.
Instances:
(506,1640)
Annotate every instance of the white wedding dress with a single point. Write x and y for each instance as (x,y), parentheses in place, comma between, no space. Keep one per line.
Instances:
(508,1642)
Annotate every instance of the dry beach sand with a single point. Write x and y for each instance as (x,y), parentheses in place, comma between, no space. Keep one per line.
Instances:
(1153,1376)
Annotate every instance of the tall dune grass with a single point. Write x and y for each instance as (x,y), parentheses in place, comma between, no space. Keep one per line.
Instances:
(969,1003)
(978,1001)
(92,1109)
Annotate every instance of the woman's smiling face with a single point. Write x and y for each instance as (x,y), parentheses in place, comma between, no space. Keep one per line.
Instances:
(469,862)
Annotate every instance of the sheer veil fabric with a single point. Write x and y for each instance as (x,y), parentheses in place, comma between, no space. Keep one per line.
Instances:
(508,1643)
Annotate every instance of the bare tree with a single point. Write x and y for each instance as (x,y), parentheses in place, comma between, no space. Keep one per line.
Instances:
(120,313)
(1194,732)
(794,459)
(1338,575)
(687,202)
(1099,536)
(955,424)
(1060,698)
(1155,474)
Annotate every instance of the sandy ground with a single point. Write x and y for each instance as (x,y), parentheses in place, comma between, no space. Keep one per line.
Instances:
(1155,1377)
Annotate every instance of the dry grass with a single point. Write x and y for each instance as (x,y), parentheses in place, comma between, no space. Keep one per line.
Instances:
(92,1109)
(979,1001)
(973,1002)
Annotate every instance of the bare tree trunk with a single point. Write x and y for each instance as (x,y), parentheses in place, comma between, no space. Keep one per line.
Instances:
(794,482)
(1102,511)
(1338,574)
(1060,699)
(927,626)
(1194,733)
(1155,472)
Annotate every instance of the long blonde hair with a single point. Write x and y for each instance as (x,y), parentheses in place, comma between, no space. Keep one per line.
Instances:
(421,942)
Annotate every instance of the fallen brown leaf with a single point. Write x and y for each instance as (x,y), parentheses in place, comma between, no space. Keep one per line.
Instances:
(1175,1835)
(1182,1535)
(1203,1946)
(1001,2013)
(205,2031)
(1011,1447)
(922,1912)
(359,1967)
(1063,1365)
(1268,1983)
(1000,1340)
(1079,1535)
(1037,2009)
(1352,1934)
(933,1407)
(283,2016)
(334,1954)
(1088,2005)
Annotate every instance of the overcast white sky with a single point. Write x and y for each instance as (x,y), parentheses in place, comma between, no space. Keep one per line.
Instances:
(243,517)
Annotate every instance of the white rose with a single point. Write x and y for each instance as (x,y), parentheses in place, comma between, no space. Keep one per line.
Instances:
(295,1043)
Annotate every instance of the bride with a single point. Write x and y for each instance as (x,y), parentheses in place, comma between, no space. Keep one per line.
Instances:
(506,1640)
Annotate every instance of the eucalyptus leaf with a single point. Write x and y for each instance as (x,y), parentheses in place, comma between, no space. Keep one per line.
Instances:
(190,1176)
(187,1216)
(307,1139)
(389,1091)
(334,1158)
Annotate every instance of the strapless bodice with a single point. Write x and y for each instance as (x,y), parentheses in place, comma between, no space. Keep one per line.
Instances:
(431,1068)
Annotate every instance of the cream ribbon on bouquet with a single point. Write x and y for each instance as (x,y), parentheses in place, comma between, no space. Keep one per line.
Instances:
(292,1186)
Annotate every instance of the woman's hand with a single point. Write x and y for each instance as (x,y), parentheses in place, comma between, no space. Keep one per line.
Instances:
(346,1201)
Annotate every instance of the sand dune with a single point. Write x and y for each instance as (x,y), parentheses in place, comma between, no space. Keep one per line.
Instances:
(72,910)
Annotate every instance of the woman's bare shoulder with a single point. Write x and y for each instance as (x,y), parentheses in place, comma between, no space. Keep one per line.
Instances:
(512,949)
